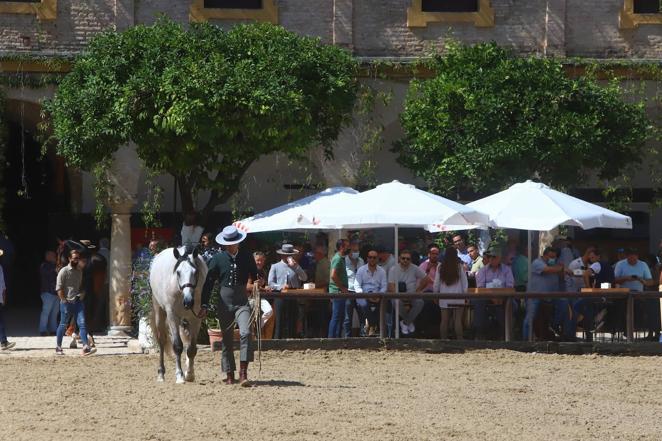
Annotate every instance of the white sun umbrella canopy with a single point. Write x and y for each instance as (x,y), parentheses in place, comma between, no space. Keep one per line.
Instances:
(395,204)
(533,206)
(536,207)
(291,215)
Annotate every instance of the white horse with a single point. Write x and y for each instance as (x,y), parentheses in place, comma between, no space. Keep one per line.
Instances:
(177,277)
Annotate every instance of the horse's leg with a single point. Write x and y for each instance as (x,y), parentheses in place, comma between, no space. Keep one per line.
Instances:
(177,346)
(159,325)
(191,332)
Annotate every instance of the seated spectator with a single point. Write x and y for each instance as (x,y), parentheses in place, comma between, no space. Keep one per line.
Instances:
(451,278)
(635,275)
(370,278)
(406,277)
(493,275)
(579,274)
(265,306)
(546,275)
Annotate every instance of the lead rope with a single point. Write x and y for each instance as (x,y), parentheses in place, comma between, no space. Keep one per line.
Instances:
(257,318)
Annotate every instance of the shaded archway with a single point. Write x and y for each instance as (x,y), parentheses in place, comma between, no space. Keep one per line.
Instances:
(35,188)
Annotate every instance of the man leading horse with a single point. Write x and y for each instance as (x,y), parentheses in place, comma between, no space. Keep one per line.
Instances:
(232,267)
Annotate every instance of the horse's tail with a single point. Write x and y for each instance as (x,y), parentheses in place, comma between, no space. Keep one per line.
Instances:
(159,327)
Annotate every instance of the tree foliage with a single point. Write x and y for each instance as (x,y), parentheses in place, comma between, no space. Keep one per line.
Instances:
(489,119)
(202,103)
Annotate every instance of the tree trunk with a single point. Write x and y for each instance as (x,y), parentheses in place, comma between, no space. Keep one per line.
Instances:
(186,194)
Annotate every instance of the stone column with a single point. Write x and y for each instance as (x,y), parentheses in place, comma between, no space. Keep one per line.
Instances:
(124,177)
(120,268)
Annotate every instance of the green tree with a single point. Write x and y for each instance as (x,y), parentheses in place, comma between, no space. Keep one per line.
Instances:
(202,104)
(488,119)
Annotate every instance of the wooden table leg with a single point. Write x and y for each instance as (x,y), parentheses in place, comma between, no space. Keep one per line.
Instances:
(382,318)
(629,318)
(509,319)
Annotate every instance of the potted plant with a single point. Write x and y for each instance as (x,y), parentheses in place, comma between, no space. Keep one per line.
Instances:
(211,322)
(141,301)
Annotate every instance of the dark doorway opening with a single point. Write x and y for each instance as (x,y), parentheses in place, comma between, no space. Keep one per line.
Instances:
(29,198)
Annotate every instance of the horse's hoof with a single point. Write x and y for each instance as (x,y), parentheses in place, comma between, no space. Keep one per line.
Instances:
(189,377)
(180,379)
(160,379)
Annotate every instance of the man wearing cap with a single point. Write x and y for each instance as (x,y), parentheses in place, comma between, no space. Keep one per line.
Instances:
(284,275)
(635,275)
(232,268)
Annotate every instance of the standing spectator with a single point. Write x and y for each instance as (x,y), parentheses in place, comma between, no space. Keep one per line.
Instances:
(370,278)
(451,278)
(4,344)
(430,267)
(635,275)
(546,274)
(353,262)
(458,243)
(406,277)
(338,284)
(68,287)
(476,264)
(49,300)
(493,275)
(519,264)
(284,275)
(208,248)
(318,310)
(191,231)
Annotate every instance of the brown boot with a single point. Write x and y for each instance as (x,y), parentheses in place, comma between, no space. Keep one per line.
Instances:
(243,374)
(230,378)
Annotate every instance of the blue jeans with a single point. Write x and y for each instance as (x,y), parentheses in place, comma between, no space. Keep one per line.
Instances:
(532,306)
(3,335)
(563,318)
(337,317)
(67,311)
(361,306)
(49,309)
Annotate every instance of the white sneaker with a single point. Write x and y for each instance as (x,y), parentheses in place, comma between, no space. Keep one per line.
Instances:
(411,327)
(404,328)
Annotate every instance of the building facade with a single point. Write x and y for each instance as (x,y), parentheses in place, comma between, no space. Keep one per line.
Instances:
(37,37)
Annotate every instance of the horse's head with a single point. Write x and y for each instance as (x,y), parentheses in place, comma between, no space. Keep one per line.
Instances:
(186,271)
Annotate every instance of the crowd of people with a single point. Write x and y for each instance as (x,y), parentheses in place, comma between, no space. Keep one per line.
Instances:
(450,267)
(74,288)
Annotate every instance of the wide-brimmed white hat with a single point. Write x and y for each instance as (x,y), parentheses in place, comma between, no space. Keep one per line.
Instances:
(230,236)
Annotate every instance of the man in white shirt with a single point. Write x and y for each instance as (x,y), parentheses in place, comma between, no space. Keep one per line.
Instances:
(191,231)
(406,277)
(370,278)
(353,262)
(580,274)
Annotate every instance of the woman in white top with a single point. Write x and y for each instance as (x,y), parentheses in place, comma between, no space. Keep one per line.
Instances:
(451,278)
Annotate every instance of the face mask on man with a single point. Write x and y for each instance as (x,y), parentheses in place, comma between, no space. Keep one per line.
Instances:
(354,255)
(551,262)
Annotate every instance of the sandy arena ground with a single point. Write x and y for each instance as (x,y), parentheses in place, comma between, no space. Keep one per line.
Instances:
(344,395)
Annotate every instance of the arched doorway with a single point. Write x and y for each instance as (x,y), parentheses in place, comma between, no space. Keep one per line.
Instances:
(35,189)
